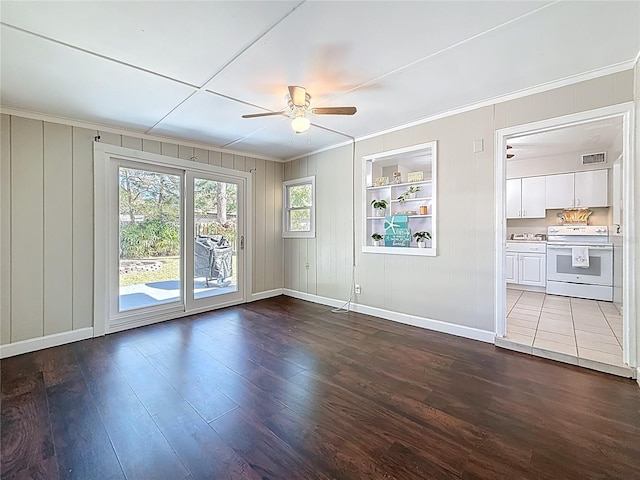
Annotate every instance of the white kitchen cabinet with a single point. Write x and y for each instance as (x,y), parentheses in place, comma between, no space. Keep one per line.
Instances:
(559,191)
(511,268)
(533,269)
(514,197)
(526,197)
(591,188)
(579,189)
(526,264)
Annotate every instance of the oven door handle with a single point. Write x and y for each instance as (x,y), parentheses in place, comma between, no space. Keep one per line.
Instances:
(568,247)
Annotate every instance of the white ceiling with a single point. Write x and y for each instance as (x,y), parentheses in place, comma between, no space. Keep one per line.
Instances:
(189,70)
(592,137)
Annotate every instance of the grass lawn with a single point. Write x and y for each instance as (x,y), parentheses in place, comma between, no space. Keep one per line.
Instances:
(170,271)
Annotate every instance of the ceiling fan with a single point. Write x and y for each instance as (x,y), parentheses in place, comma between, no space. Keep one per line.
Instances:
(298,105)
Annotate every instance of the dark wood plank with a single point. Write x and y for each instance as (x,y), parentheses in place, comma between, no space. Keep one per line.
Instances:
(82,444)
(282,388)
(143,450)
(200,449)
(26,440)
(268,455)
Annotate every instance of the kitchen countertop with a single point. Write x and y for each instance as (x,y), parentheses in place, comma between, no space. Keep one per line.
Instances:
(522,240)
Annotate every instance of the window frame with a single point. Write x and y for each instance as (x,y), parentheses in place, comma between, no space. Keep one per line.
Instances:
(286,209)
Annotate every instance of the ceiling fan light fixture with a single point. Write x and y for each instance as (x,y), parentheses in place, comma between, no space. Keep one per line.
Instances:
(300,123)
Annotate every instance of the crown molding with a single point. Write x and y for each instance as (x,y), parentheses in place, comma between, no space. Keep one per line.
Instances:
(121,131)
(544,87)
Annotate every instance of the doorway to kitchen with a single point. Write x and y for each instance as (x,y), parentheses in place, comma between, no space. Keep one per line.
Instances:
(563,285)
(169,238)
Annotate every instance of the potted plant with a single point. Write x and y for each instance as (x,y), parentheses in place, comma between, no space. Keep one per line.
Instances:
(413,189)
(379,207)
(377,238)
(421,238)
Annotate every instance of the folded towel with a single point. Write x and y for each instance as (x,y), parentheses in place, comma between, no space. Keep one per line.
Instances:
(580,257)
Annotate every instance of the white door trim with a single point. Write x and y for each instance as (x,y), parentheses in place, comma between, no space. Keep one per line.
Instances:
(626,111)
(103,193)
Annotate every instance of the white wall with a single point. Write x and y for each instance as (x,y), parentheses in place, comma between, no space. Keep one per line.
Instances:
(553,164)
(457,286)
(635,235)
(46,222)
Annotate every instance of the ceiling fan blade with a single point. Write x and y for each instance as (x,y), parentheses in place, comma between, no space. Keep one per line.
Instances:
(334,110)
(298,95)
(266,114)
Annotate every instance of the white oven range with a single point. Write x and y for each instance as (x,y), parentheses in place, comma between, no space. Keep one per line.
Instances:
(580,262)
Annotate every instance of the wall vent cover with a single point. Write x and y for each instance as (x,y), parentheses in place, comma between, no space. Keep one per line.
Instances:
(590,158)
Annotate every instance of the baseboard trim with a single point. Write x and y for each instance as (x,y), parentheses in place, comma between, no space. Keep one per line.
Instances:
(421,322)
(266,294)
(48,341)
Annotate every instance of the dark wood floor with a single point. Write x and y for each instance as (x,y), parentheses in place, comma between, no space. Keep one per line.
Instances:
(284,389)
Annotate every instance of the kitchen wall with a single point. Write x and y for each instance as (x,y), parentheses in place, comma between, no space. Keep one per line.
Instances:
(552,164)
(46,222)
(456,286)
(600,216)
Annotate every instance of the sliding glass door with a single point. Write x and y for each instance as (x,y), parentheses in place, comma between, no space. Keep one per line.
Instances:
(150,222)
(216,253)
(174,240)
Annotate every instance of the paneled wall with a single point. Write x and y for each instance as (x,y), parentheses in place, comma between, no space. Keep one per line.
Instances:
(46,222)
(456,286)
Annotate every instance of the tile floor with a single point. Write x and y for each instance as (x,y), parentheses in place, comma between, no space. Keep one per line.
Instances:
(585,329)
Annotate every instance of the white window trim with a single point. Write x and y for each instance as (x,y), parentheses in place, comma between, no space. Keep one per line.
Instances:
(286,233)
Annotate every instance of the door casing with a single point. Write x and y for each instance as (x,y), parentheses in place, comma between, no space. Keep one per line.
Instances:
(105,188)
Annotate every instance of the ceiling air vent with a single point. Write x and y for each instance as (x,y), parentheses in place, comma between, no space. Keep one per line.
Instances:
(590,158)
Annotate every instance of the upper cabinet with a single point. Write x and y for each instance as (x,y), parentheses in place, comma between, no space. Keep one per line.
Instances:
(580,189)
(559,191)
(591,188)
(526,197)
(400,200)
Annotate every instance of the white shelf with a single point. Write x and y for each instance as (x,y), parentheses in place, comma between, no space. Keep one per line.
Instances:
(417,199)
(424,252)
(407,184)
(410,216)
(415,216)
(406,160)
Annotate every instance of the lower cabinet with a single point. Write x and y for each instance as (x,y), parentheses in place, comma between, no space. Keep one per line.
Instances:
(526,267)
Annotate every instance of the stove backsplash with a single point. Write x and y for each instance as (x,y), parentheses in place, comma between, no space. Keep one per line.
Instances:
(600,216)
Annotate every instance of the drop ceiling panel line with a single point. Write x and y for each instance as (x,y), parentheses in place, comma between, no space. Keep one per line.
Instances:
(439,52)
(98,55)
(251,44)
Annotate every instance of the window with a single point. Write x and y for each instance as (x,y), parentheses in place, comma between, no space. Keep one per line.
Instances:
(299,219)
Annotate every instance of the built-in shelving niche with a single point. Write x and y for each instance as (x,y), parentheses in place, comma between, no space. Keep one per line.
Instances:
(417,158)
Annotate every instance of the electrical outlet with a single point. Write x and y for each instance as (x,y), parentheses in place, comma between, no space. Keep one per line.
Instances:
(357,288)
(306,266)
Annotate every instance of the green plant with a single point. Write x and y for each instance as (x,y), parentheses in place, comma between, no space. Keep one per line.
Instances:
(379,204)
(412,189)
(422,236)
(376,236)
(150,238)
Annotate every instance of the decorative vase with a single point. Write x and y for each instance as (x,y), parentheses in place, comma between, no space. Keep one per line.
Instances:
(380,212)
(376,243)
(422,244)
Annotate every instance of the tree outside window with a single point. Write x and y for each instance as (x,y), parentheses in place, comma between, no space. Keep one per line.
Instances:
(299,211)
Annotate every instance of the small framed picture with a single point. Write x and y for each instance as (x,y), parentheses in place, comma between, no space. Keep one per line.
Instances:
(415,177)
(381,181)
